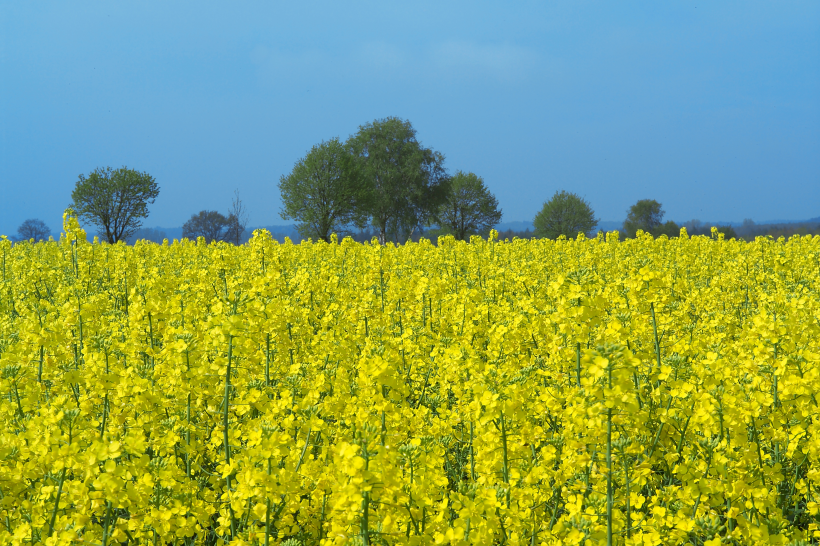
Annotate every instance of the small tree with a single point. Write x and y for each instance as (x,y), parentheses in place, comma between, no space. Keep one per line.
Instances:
(727,231)
(114,200)
(469,207)
(209,224)
(670,229)
(33,228)
(748,228)
(695,227)
(237,219)
(565,214)
(322,193)
(646,214)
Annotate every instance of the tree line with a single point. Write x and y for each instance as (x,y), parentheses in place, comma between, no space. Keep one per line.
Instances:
(382,179)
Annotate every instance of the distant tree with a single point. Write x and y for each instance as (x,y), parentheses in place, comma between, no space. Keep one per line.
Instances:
(238,220)
(469,207)
(695,227)
(404,182)
(747,228)
(209,224)
(146,234)
(511,233)
(728,232)
(114,200)
(670,229)
(33,229)
(646,214)
(322,192)
(565,214)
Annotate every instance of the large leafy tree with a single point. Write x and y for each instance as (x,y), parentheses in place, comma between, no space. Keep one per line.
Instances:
(115,200)
(322,192)
(210,224)
(33,228)
(565,214)
(468,208)
(404,182)
(646,214)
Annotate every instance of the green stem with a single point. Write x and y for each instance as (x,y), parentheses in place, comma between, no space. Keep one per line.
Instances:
(578,363)
(267,513)
(655,333)
(105,525)
(609,495)
(267,360)
(56,503)
(472,453)
(505,468)
(40,367)
(225,429)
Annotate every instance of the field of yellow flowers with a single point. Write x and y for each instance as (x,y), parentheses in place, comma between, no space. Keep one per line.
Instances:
(648,391)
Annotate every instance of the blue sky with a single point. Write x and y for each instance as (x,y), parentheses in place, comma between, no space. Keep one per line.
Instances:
(712,108)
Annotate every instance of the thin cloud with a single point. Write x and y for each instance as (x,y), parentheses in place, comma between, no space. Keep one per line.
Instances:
(449,60)
(502,62)
(275,66)
(381,56)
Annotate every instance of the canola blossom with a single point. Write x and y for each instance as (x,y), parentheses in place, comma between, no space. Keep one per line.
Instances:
(525,392)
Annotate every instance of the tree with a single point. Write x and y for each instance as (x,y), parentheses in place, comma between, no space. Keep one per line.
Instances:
(146,234)
(748,228)
(209,224)
(322,192)
(565,214)
(114,200)
(33,228)
(468,208)
(670,229)
(695,227)
(237,219)
(404,182)
(646,214)
(728,232)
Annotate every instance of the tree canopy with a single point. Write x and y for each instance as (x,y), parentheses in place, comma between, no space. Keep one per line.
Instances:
(468,208)
(565,214)
(404,183)
(33,228)
(669,228)
(115,200)
(646,215)
(322,192)
(210,224)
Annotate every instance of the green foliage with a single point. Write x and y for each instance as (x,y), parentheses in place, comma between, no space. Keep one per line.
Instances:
(565,214)
(696,227)
(404,182)
(728,232)
(670,229)
(210,224)
(114,200)
(469,207)
(322,192)
(646,215)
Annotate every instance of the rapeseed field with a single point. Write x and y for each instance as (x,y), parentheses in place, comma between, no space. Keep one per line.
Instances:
(525,392)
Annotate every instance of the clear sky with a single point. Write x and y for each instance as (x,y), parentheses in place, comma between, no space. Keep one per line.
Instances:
(712,108)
